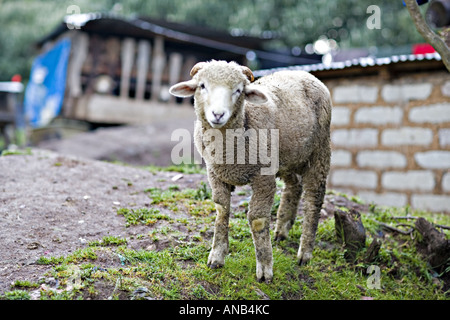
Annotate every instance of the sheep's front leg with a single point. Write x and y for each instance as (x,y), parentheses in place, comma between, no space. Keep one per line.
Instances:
(290,197)
(221,193)
(259,220)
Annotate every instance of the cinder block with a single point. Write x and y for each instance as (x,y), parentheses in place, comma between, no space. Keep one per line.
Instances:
(355,94)
(431,202)
(445,89)
(411,180)
(433,159)
(381,159)
(406,92)
(354,178)
(379,115)
(391,199)
(407,136)
(341,158)
(433,113)
(444,137)
(446,182)
(340,116)
(355,137)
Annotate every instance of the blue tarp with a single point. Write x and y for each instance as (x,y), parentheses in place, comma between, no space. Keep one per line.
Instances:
(45,91)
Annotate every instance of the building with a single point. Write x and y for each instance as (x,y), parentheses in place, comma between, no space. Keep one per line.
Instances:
(118,70)
(390,129)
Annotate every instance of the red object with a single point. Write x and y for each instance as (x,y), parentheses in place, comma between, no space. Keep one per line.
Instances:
(16,78)
(422,48)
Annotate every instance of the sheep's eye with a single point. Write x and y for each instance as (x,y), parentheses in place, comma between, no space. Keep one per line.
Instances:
(238,91)
(202,86)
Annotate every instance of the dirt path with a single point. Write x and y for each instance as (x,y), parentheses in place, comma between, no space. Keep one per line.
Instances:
(51,205)
(136,145)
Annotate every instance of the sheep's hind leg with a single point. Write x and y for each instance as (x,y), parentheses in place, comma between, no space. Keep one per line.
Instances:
(290,197)
(312,203)
(259,220)
(221,197)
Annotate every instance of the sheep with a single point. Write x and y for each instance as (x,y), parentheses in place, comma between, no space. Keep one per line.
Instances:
(297,106)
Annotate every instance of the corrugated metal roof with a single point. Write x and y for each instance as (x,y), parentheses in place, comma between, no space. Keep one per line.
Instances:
(144,27)
(359,62)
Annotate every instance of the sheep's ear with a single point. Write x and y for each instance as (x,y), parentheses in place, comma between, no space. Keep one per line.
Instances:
(254,95)
(183,89)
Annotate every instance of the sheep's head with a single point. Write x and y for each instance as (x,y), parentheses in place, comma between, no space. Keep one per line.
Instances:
(219,90)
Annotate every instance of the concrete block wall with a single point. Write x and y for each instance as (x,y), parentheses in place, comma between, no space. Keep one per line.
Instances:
(391,139)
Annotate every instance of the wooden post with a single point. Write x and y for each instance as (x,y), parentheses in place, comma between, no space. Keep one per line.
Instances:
(159,60)
(128,48)
(143,58)
(112,56)
(185,74)
(79,53)
(175,64)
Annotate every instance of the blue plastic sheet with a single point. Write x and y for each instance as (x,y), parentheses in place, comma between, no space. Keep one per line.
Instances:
(44,94)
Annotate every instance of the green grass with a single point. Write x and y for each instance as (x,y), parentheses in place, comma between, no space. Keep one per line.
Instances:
(197,202)
(179,271)
(18,152)
(183,168)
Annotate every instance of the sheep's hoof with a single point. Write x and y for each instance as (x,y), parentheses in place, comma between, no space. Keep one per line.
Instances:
(264,272)
(263,279)
(280,237)
(303,258)
(215,265)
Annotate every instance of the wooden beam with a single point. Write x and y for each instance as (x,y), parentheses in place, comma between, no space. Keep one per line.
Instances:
(79,54)
(186,73)
(112,56)
(143,61)
(80,47)
(158,63)
(175,64)
(128,50)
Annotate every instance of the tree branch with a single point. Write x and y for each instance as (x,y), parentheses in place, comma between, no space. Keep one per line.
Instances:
(428,34)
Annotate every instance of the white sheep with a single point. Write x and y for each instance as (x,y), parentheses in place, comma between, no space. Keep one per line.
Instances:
(294,104)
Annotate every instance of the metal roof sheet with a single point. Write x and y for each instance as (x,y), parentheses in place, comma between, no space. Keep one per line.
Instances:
(361,62)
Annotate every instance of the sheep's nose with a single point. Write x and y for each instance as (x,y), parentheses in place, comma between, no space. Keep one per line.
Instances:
(218,116)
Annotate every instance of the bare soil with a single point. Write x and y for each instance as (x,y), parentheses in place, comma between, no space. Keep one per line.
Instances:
(55,202)
(51,205)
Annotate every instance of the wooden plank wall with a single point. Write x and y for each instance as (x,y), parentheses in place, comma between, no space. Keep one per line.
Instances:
(136,69)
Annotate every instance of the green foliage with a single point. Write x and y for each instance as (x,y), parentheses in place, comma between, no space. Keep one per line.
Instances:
(296,23)
(197,201)
(179,270)
(109,241)
(17,295)
(144,216)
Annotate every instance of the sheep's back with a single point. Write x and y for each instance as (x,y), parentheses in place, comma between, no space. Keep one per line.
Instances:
(300,108)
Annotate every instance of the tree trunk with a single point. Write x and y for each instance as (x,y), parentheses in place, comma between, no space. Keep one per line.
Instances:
(350,231)
(372,251)
(428,34)
(437,246)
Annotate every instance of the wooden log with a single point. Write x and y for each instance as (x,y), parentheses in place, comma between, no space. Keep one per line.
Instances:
(79,54)
(185,73)
(372,251)
(112,56)
(350,231)
(143,61)
(80,48)
(158,64)
(128,50)
(175,64)
(437,247)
